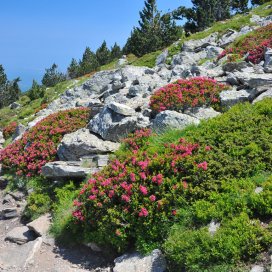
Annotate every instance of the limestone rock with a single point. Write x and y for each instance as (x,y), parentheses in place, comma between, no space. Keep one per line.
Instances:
(14,105)
(202,113)
(161,59)
(213,51)
(41,225)
(268,60)
(20,235)
(228,38)
(121,109)
(232,97)
(264,95)
(62,170)
(114,126)
(19,131)
(257,268)
(83,143)
(155,262)
(172,119)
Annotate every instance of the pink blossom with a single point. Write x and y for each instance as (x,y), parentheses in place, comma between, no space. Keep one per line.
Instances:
(203,165)
(143,212)
(143,190)
(152,198)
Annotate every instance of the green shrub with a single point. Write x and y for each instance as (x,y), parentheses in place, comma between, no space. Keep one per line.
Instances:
(123,205)
(237,239)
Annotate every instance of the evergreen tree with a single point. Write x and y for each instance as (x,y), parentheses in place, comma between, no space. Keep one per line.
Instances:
(36,91)
(116,52)
(9,90)
(73,69)
(103,54)
(88,63)
(3,76)
(259,2)
(52,76)
(239,6)
(203,13)
(170,31)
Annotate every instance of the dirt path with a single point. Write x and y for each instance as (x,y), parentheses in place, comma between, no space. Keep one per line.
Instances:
(43,254)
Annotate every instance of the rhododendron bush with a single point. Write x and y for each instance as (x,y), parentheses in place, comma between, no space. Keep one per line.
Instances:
(39,145)
(9,130)
(252,46)
(187,93)
(135,199)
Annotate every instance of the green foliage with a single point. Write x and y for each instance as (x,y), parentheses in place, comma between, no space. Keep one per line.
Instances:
(36,91)
(89,62)
(73,69)
(154,31)
(52,76)
(9,90)
(201,176)
(116,52)
(103,54)
(237,239)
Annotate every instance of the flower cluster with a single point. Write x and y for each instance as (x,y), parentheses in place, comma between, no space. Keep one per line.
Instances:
(187,93)
(252,47)
(138,192)
(39,145)
(9,130)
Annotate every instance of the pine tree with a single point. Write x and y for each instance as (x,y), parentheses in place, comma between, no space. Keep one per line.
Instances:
(259,2)
(103,54)
(73,69)
(239,6)
(36,91)
(203,13)
(9,90)
(3,76)
(88,63)
(52,76)
(116,52)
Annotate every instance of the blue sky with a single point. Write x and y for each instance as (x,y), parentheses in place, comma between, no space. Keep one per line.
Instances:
(34,34)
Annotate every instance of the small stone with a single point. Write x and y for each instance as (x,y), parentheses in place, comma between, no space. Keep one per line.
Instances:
(213,227)
(257,268)
(41,225)
(20,235)
(258,190)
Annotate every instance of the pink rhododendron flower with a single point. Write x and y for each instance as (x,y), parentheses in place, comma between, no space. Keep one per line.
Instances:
(143,212)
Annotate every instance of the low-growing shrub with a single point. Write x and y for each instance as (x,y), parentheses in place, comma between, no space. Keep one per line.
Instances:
(39,145)
(134,201)
(238,239)
(252,46)
(187,93)
(9,130)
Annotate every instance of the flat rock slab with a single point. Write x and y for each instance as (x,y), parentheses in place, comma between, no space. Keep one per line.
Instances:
(135,262)
(20,235)
(16,258)
(41,225)
(61,169)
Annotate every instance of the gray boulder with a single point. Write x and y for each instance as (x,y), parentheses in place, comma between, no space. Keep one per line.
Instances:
(197,45)
(63,170)
(264,95)
(114,126)
(135,262)
(231,97)
(161,59)
(41,225)
(19,131)
(228,38)
(2,140)
(188,58)
(268,60)
(121,109)
(172,120)
(82,143)
(15,105)
(236,66)
(254,80)
(20,235)
(122,62)
(202,113)
(213,51)
(257,268)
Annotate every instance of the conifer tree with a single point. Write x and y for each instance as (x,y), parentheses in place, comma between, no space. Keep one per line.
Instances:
(116,52)
(52,76)
(88,63)
(3,76)
(36,91)
(73,69)
(239,6)
(103,54)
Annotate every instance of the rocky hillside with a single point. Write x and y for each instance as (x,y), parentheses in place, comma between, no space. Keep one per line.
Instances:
(192,151)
